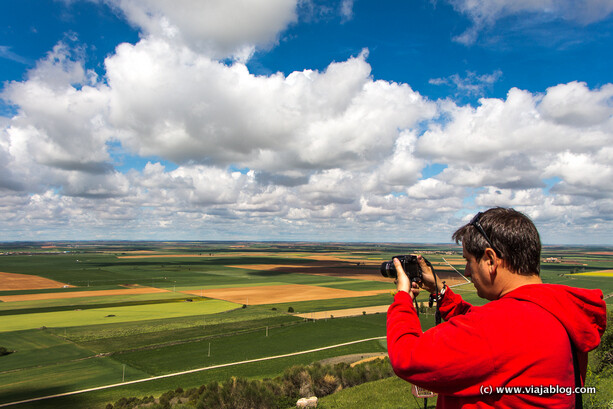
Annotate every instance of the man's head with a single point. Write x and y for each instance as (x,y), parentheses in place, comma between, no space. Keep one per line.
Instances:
(511,234)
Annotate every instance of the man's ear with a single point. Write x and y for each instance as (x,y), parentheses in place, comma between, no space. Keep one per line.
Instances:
(491,259)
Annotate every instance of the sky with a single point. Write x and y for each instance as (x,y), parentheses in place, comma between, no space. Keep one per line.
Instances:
(304,120)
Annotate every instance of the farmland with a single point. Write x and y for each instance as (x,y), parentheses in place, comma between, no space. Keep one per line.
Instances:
(85,315)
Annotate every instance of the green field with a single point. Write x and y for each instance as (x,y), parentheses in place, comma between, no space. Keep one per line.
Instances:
(93,316)
(70,344)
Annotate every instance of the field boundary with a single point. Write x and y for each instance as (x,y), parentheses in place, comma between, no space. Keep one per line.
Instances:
(153,378)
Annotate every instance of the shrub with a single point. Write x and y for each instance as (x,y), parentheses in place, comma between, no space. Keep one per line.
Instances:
(326,385)
(290,309)
(278,393)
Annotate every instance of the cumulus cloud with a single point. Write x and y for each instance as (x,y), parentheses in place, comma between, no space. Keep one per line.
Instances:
(331,146)
(575,104)
(314,154)
(188,108)
(220,29)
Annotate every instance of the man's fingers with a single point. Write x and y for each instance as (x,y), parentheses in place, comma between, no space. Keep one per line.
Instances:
(422,263)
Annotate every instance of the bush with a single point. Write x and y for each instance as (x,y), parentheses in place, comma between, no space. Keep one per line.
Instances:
(290,309)
(278,393)
(4,351)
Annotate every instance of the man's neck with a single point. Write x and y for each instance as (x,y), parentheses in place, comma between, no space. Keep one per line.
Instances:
(514,280)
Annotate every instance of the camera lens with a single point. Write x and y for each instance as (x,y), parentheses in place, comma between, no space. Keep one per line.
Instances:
(388,270)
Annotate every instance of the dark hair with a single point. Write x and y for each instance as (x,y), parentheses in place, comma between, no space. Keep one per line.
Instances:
(513,235)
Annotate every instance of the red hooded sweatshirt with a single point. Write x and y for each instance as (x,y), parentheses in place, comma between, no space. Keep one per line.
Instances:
(519,340)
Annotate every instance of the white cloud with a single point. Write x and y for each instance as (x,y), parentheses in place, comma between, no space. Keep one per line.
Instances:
(435,189)
(346,10)
(472,84)
(330,154)
(188,108)
(576,105)
(484,13)
(220,29)
(334,147)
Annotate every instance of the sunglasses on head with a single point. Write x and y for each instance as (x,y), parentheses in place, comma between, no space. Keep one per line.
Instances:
(475,222)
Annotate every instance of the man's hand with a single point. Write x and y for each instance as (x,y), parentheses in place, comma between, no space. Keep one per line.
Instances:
(428,282)
(402,281)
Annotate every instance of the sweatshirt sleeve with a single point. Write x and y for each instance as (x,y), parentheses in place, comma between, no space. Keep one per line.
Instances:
(452,304)
(452,357)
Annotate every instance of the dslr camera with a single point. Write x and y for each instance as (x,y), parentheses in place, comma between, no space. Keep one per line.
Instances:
(409,265)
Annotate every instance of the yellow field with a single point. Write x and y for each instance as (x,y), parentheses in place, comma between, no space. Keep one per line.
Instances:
(79,294)
(603,273)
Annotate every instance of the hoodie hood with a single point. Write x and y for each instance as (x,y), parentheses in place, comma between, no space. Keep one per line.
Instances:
(582,312)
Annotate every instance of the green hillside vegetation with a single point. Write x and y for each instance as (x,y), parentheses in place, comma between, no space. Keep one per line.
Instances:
(279,393)
(63,345)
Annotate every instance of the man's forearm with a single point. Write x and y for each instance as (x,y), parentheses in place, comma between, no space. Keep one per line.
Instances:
(452,304)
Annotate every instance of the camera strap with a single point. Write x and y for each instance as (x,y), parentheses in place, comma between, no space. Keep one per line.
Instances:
(437,311)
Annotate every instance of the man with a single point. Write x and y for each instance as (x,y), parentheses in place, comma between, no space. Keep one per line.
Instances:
(521,338)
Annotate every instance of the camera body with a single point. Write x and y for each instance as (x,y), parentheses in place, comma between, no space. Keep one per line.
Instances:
(409,265)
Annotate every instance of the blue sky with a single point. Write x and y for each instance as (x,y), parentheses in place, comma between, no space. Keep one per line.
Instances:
(304,120)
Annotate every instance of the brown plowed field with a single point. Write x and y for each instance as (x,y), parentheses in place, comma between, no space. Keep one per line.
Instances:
(12,281)
(347,312)
(272,294)
(79,294)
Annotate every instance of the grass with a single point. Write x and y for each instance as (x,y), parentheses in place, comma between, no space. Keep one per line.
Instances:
(390,393)
(283,340)
(38,348)
(202,331)
(334,304)
(136,329)
(257,370)
(75,318)
(62,377)
(30,307)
